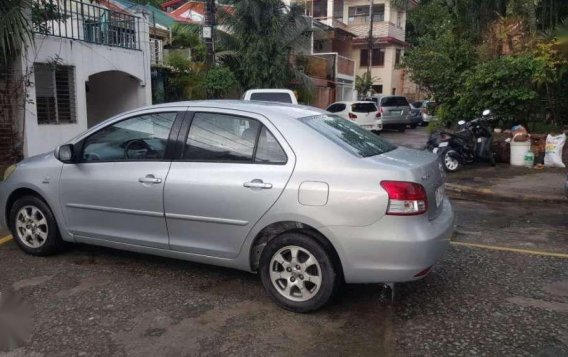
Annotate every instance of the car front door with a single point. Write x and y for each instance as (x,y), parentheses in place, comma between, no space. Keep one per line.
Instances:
(114,192)
(230,171)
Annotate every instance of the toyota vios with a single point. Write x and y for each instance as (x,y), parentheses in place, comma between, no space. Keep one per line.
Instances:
(305,198)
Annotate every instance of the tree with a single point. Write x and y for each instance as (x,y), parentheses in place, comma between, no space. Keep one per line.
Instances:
(364,84)
(15,28)
(219,81)
(261,37)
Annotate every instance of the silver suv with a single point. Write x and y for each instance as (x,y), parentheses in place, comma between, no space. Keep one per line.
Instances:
(394,111)
(307,199)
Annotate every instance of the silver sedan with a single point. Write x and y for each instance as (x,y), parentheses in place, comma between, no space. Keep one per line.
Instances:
(305,198)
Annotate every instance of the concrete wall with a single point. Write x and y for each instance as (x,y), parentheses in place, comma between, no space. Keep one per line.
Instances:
(109,93)
(386,75)
(88,59)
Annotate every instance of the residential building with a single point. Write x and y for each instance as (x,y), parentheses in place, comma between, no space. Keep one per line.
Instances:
(89,62)
(388,33)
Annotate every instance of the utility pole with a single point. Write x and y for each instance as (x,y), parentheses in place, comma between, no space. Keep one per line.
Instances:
(370,40)
(209,32)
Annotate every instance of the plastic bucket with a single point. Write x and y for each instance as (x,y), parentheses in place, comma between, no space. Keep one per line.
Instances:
(518,151)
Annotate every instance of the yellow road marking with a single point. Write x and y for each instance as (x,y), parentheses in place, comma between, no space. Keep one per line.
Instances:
(514,250)
(5,239)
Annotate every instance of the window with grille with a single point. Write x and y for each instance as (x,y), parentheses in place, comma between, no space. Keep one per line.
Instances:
(55,93)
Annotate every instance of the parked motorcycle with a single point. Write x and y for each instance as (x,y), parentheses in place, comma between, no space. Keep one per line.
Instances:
(470,142)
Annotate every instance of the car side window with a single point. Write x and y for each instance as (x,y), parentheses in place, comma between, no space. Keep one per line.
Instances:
(215,137)
(143,137)
(269,150)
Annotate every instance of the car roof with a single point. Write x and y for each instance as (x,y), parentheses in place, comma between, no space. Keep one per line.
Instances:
(270,90)
(352,102)
(274,109)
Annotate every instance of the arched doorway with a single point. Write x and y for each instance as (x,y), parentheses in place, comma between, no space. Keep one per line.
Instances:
(110,93)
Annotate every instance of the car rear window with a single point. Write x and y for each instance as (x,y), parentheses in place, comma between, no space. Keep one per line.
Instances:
(418,104)
(272,97)
(363,107)
(348,135)
(394,102)
(335,108)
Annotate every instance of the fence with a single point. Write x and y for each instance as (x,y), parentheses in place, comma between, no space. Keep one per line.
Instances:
(77,20)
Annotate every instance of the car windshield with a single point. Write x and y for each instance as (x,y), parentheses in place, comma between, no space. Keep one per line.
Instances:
(394,102)
(271,97)
(348,135)
(418,104)
(363,107)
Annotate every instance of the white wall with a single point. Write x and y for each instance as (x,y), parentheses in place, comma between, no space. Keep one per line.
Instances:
(88,59)
(110,93)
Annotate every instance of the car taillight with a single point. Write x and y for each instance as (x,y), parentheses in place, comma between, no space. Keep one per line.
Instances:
(378,115)
(352,116)
(405,198)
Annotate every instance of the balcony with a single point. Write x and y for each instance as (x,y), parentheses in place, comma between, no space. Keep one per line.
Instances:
(380,29)
(339,66)
(76,20)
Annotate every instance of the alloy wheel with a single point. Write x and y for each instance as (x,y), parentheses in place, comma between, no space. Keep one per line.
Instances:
(295,273)
(31,226)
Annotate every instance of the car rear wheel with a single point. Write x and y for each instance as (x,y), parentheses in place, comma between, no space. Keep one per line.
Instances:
(33,227)
(298,272)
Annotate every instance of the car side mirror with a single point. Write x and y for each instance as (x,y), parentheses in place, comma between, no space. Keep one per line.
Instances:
(65,154)
(486,112)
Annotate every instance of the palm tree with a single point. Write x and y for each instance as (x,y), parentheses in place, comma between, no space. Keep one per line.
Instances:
(260,40)
(15,28)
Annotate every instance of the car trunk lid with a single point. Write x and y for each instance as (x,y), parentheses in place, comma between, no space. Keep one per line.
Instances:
(417,166)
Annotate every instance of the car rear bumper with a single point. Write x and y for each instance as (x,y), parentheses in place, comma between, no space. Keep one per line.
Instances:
(374,127)
(396,121)
(394,249)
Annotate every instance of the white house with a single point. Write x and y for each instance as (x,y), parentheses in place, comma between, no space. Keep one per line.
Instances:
(89,62)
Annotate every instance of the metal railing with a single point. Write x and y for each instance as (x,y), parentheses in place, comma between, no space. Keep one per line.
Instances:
(77,20)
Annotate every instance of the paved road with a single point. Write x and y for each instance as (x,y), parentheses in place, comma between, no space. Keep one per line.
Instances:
(95,301)
(413,138)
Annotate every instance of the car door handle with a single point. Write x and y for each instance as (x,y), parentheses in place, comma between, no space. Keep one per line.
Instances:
(257,183)
(149,179)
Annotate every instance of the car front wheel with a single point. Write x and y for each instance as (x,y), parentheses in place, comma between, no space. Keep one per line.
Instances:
(33,227)
(298,272)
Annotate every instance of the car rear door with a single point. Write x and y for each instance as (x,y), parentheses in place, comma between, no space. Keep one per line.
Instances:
(230,169)
(115,190)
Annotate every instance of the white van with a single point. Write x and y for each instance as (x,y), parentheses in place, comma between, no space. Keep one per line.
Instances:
(271,95)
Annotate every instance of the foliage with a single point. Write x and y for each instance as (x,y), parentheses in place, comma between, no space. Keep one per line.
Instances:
(260,39)
(219,81)
(188,36)
(186,79)
(505,85)
(439,60)
(14,27)
(364,83)
(488,54)
(44,11)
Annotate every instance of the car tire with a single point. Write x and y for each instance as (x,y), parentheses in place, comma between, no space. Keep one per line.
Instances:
(413,126)
(451,164)
(402,128)
(33,227)
(291,283)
